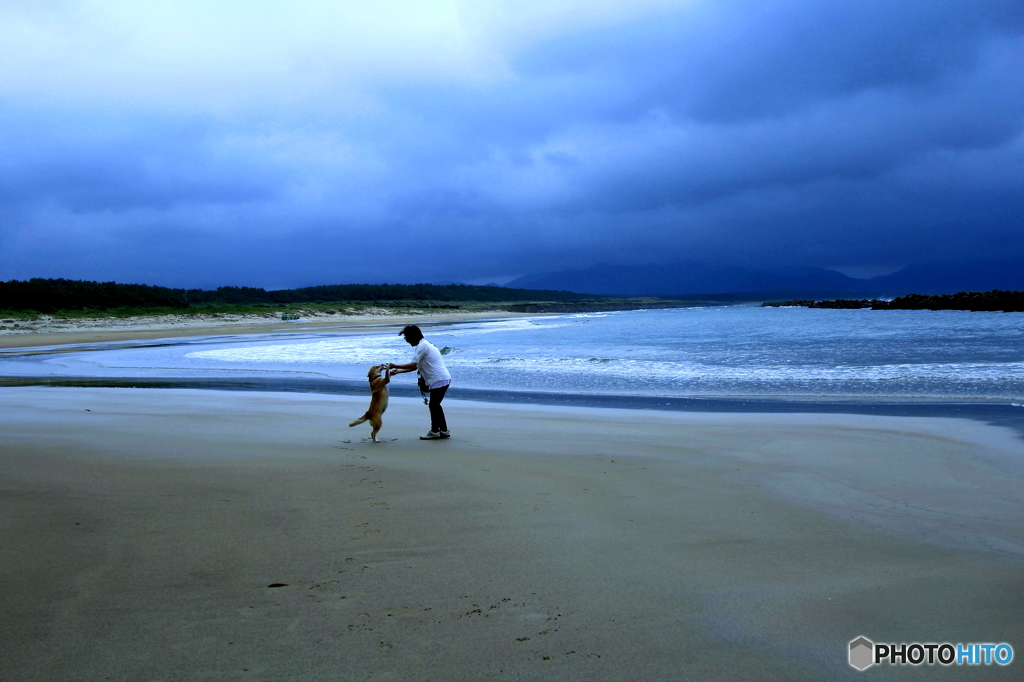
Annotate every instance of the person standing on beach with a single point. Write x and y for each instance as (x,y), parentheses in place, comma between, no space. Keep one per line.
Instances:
(433,378)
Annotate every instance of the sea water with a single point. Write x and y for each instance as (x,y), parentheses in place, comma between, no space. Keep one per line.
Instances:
(728,351)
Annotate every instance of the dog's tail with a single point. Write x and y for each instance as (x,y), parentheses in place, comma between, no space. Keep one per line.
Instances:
(359,421)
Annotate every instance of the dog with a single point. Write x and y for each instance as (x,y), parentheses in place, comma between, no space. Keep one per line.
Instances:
(379,377)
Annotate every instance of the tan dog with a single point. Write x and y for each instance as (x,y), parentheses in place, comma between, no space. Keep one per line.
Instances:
(379,377)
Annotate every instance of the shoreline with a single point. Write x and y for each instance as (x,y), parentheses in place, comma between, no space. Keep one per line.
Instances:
(1003,412)
(185,533)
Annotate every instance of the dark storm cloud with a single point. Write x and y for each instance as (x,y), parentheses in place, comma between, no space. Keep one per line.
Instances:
(738,60)
(792,122)
(813,133)
(848,89)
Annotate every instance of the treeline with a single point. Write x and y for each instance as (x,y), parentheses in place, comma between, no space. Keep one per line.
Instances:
(52,295)
(993,301)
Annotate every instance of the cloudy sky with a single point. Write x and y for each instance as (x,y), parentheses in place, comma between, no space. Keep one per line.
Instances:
(263,143)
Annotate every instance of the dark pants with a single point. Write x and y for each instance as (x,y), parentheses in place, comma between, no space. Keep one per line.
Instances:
(437,422)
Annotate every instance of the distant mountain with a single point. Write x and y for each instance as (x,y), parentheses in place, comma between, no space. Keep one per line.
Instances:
(703,279)
(688,279)
(950,277)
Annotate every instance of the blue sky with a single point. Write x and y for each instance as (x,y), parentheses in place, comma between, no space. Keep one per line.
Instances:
(272,144)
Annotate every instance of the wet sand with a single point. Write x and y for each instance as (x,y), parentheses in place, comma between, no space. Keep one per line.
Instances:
(143,531)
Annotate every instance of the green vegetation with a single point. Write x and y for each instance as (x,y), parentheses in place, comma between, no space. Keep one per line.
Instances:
(995,300)
(75,299)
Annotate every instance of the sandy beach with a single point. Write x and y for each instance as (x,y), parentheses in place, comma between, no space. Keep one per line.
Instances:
(51,331)
(183,535)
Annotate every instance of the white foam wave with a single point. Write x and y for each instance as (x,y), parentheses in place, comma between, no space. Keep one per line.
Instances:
(682,370)
(329,351)
(511,325)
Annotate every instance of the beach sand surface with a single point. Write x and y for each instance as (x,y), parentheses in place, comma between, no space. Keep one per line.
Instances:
(190,535)
(50,331)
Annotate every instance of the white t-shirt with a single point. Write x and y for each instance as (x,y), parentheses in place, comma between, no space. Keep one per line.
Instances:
(430,365)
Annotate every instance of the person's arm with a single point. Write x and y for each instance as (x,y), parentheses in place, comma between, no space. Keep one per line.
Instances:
(402,369)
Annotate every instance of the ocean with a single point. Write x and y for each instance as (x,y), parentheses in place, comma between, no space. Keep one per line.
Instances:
(711,352)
